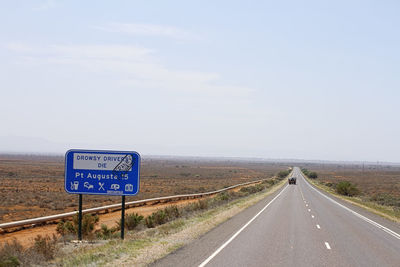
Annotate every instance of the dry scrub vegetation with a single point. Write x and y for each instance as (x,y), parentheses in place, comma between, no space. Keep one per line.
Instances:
(371,180)
(46,250)
(370,184)
(33,186)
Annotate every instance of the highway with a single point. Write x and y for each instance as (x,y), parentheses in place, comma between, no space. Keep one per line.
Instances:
(297,226)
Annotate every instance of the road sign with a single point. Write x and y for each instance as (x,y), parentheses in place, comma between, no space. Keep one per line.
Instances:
(101,172)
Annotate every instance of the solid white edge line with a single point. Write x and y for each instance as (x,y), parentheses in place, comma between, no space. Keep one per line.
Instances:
(327,245)
(238,232)
(387,230)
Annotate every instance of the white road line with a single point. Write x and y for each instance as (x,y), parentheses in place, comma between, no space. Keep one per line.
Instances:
(309,210)
(312,216)
(327,245)
(383,228)
(204,263)
(302,196)
(319,227)
(306,205)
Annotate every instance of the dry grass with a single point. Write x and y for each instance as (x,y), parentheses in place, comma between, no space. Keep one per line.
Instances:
(379,186)
(33,186)
(44,249)
(371,180)
(144,247)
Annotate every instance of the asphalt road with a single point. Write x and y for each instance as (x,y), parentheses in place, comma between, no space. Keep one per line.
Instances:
(297,226)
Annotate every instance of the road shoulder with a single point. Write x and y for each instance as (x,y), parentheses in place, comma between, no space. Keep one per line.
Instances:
(212,239)
(141,248)
(363,210)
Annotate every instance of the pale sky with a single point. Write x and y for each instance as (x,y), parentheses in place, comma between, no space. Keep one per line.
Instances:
(271,79)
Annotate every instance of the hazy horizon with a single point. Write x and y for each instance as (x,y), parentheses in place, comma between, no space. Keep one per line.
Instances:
(277,80)
(205,157)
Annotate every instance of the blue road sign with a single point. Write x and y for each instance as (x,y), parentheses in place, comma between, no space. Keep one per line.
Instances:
(101,172)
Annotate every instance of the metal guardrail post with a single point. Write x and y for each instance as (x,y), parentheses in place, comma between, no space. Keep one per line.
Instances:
(114,206)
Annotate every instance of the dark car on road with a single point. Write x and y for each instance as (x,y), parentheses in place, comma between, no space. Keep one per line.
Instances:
(292,180)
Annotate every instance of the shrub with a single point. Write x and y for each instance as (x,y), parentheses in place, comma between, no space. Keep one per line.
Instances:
(259,187)
(172,212)
(283,174)
(244,192)
(329,184)
(9,261)
(312,175)
(244,189)
(132,220)
(65,227)
(386,199)
(269,182)
(305,171)
(347,189)
(88,224)
(156,218)
(149,221)
(45,246)
(43,249)
(203,204)
(105,232)
(10,254)
(223,196)
(309,174)
(160,217)
(252,189)
(168,214)
(233,195)
(192,207)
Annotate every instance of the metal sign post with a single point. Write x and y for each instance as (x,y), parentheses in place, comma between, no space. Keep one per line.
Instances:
(102,172)
(80,218)
(123,218)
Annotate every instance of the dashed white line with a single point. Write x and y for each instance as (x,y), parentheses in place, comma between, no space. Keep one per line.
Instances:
(306,205)
(327,245)
(302,196)
(319,227)
(309,210)
(312,216)
(383,228)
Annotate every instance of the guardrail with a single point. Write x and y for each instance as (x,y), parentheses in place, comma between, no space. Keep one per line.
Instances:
(137,203)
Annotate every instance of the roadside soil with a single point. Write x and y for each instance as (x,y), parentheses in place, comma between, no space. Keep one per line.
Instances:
(26,236)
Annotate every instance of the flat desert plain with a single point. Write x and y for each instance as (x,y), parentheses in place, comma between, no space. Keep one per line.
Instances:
(33,186)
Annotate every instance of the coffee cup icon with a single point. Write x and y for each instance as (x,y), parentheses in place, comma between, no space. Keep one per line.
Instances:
(74,185)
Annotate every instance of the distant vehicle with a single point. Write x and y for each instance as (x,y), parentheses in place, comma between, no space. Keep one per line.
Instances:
(292,180)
